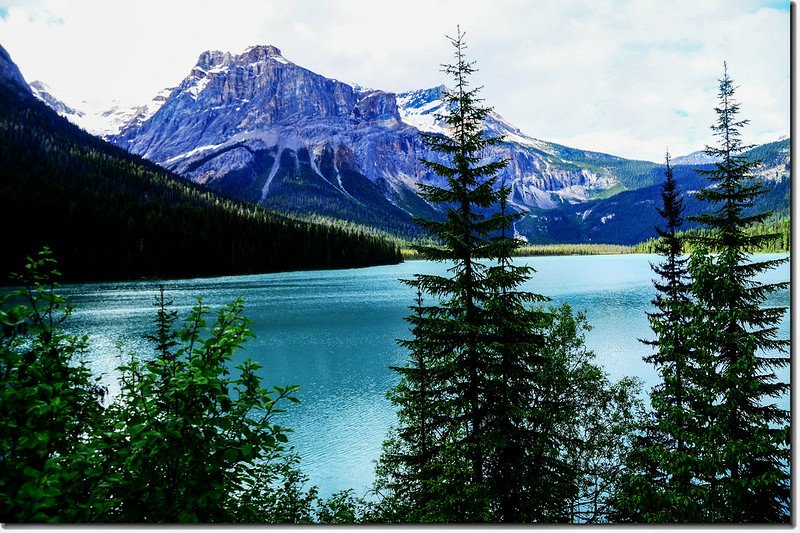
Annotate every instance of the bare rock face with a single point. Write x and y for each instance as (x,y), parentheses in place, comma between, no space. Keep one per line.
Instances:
(257,127)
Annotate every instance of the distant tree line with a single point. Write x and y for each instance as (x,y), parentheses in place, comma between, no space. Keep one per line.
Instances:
(108,214)
(502,414)
(777,230)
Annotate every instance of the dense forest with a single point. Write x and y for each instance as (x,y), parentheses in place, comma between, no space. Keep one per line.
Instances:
(107,214)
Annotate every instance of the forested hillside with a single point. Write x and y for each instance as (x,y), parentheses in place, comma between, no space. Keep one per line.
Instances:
(780,227)
(111,215)
(628,217)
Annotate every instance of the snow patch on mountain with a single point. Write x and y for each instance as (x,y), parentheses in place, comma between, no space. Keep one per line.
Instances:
(195,89)
(99,118)
(695,158)
(419,109)
(190,153)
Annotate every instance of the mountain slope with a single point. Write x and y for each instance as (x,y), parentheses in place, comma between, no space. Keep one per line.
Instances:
(97,119)
(108,214)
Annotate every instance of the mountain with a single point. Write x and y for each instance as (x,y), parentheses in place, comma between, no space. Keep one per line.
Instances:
(695,158)
(109,214)
(257,127)
(10,76)
(629,217)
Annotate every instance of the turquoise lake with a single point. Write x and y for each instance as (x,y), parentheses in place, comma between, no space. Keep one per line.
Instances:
(333,333)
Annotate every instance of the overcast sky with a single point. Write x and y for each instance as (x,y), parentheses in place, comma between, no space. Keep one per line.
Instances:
(623,77)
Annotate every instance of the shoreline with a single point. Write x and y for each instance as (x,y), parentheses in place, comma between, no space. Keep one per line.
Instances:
(554,250)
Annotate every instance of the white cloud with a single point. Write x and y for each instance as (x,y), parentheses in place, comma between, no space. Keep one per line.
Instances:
(596,74)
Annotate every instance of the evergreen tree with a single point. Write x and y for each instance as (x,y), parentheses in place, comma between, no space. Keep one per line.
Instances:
(491,404)
(745,454)
(659,487)
(523,477)
(453,336)
(443,450)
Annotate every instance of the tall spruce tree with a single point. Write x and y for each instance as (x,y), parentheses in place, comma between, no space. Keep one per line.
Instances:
(462,398)
(502,415)
(659,487)
(523,474)
(745,454)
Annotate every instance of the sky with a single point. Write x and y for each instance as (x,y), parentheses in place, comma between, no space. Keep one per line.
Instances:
(630,78)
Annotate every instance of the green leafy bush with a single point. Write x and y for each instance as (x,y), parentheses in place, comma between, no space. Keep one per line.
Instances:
(185,439)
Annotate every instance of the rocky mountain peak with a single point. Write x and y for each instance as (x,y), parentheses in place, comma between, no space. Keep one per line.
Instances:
(212,58)
(261,52)
(43,92)
(240,118)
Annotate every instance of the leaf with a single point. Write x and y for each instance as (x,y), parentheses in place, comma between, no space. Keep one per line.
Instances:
(231,455)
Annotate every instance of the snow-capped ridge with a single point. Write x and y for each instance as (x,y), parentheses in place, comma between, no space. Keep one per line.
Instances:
(99,118)
(46,94)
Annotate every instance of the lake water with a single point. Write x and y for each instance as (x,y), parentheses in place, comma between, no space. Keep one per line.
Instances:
(333,333)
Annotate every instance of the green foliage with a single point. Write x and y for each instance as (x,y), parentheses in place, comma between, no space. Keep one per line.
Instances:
(441,457)
(529,250)
(718,450)
(777,233)
(572,249)
(591,419)
(184,440)
(107,214)
(658,486)
(745,450)
(49,402)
